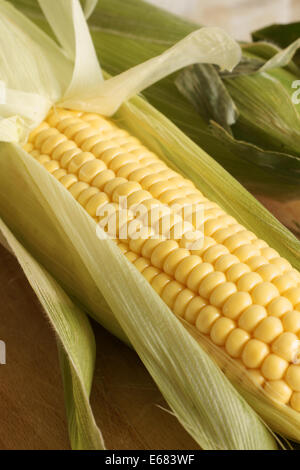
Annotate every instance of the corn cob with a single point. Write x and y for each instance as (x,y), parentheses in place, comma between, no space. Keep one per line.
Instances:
(234,288)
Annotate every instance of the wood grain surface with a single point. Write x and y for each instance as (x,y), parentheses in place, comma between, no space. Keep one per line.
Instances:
(125,400)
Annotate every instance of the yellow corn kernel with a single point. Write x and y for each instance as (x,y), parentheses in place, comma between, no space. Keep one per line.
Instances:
(150,272)
(182,301)
(68,180)
(221,330)
(170,292)
(132,257)
(292,377)
(257,261)
(193,309)
(285,281)
(161,252)
(251,317)
(142,263)
(51,166)
(256,377)
(274,367)
(236,341)
(77,188)
(293,295)
(295,401)
(62,148)
(43,159)
(291,321)
(264,293)
(225,262)
(236,271)
(232,287)
(78,161)
(222,293)
(160,282)
(248,281)
(238,239)
(210,282)
(173,259)
(254,353)
(68,156)
(278,390)
(269,329)
(86,195)
(59,174)
(268,272)
(236,304)
(97,201)
(102,179)
(198,273)
(207,318)
(279,307)
(286,346)
(90,169)
(214,252)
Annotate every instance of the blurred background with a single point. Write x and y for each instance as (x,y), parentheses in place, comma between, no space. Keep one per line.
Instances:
(239,17)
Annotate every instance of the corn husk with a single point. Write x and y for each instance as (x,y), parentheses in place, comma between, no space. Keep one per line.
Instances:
(75,341)
(281,35)
(62,237)
(184,373)
(254,154)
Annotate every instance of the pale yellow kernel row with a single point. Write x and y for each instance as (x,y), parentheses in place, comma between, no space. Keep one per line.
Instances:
(235,288)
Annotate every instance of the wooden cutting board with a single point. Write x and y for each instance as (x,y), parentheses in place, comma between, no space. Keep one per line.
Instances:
(125,400)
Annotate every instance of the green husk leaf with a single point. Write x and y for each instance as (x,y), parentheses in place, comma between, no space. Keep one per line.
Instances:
(258,56)
(262,56)
(76,346)
(216,103)
(266,51)
(190,82)
(247,66)
(87,91)
(88,7)
(273,56)
(282,58)
(277,123)
(122,42)
(285,164)
(280,34)
(195,388)
(125,37)
(276,127)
